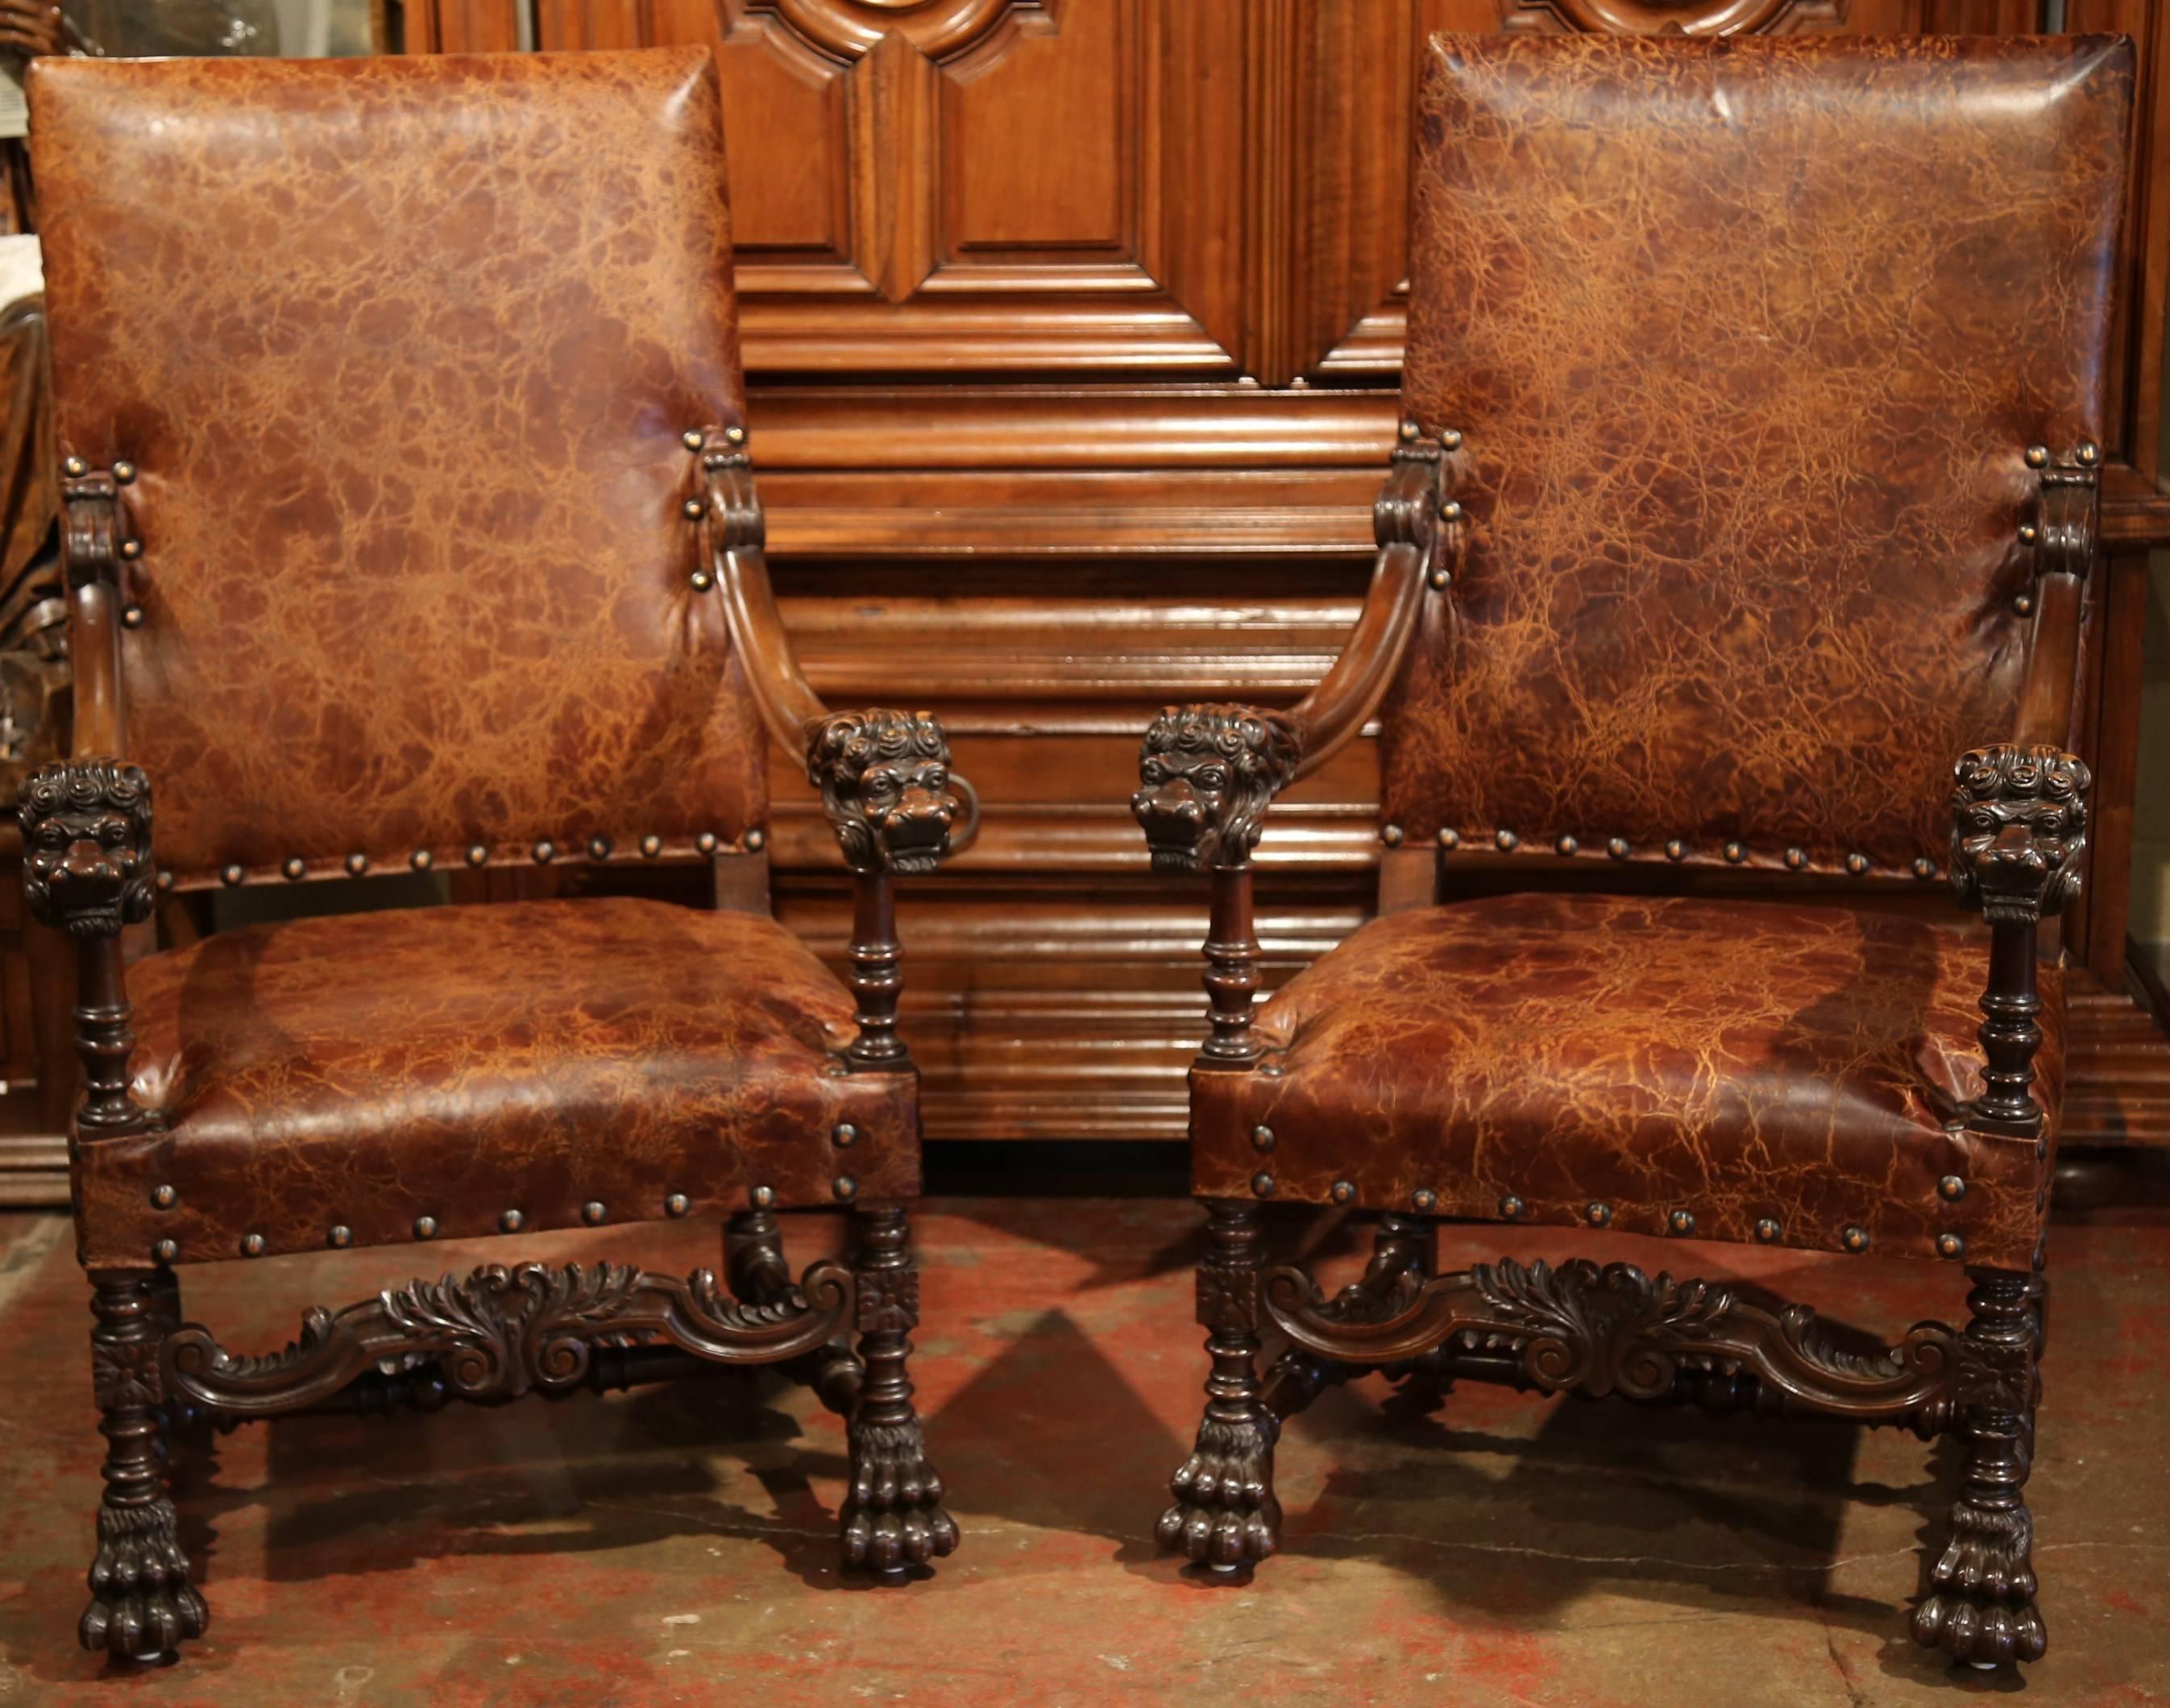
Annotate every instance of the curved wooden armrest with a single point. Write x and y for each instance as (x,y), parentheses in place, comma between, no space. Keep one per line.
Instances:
(885,775)
(1209,771)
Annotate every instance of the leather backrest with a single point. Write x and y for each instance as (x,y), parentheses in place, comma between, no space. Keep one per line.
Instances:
(403,351)
(1747,339)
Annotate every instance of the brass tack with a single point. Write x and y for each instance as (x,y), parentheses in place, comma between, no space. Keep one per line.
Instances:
(1566,845)
(734,434)
(477,854)
(1344,1191)
(1442,577)
(1451,511)
(692,438)
(715,459)
(296,867)
(1505,840)
(763,1197)
(252,1245)
(2029,534)
(1856,1239)
(512,1221)
(2038,456)
(231,875)
(706,841)
(599,847)
(676,1204)
(1450,439)
(1766,1231)
(339,1238)
(2023,606)
(426,1227)
(695,509)
(756,839)
(421,859)
(75,466)
(1950,1245)
(845,1188)
(1681,1221)
(166,1250)
(651,847)
(1262,1138)
(164,880)
(544,851)
(1797,858)
(123,472)
(1391,834)
(1676,850)
(132,617)
(1617,846)
(1408,430)
(1856,863)
(1273,1070)
(163,1197)
(1450,840)
(844,1133)
(356,864)
(592,1212)
(1599,1214)
(701,580)
(1510,1207)
(2089,454)
(1735,853)
(1262,1185)
(132,549)
(1424,1197)
(1952,1186)
(1925,868)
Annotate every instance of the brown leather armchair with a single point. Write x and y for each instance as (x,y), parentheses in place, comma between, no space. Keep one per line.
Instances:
(410,526)
(1747,481)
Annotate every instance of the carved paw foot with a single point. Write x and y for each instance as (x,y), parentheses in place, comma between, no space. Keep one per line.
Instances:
(1225,1514)
(893,1516)
(1980,1605)
(141,1602)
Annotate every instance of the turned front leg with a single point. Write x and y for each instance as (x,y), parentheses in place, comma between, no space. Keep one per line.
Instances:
(893,1515)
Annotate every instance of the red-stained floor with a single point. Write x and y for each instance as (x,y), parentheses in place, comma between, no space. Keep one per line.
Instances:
(676,1544)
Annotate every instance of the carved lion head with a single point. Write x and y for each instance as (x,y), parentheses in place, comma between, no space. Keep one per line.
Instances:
(1209,773)
(2019,822)
(885,782)
(87,846)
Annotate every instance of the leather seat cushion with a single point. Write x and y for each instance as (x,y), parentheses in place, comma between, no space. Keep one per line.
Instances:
(1532,1056)
(365,1071)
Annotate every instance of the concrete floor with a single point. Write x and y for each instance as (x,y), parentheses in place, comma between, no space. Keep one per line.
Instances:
(676,1545)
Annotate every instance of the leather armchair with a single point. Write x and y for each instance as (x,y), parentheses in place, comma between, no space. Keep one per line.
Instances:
(410,526)
(1738,541)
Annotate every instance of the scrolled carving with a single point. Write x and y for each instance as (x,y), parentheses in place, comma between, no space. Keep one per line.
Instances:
(885,782)
(87,863)
(2019,822)
(500,1332)
(1209,773)
(1406,511)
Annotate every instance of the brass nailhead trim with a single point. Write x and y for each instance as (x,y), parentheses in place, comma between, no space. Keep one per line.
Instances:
(2038,456)
(2024,605)
(734,434)
(544,851)
(2088,453)
(512,1221)
(845,1188)
(695,509)
(592,1212)
(132,617)
(230,876)
(1451,511)
(426,1227)
(1343,1193)
(1925,869)
(1766,1231)
(1391,834)
(1950,1245)
(477,854)
(164,880)
(163,1197)
(1681,1221)
(676,1204)
(1856,863)
(1952,1186)
(763,1197)
(1676,850)
(75,466)
(296,868)
(252,1245)
(1855,1239)
(1617,847)
(1450,840)
(844,1133)
(599,847)
(1505,840)
(1424,1197)
(356,864)
(132,549)
(1599,1214)
(1263,1185)
(123,472)
(421,859)
(1510,1207)
(1408,430)
(339,1238)
(1440,577)
(651,847)
(692,438)
(701,580)
(1262,1138)
(756,839)
(1735,853)
(166,1250)
(706,841)
(1566,845)
(1797,858)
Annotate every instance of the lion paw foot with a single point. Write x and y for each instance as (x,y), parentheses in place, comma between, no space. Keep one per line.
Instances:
(1225,1514)
(141,1604)
(1980,1605)
(893,1516)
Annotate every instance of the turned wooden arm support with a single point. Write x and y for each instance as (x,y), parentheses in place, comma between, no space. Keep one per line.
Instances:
(87,870)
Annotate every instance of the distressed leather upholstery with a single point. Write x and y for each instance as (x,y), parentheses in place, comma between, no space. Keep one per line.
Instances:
(1768,1071)
(1746,340)
(414,575)
(364,1070)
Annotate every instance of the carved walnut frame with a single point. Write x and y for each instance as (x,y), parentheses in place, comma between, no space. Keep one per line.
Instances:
(501,1332)
(1209,773)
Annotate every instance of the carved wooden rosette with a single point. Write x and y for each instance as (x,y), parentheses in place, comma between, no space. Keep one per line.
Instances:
(1616,1330)
(501,1333)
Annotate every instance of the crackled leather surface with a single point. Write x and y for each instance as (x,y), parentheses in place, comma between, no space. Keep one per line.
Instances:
(1738,1060)
(364,1069)
(1747,339)
(402,350)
